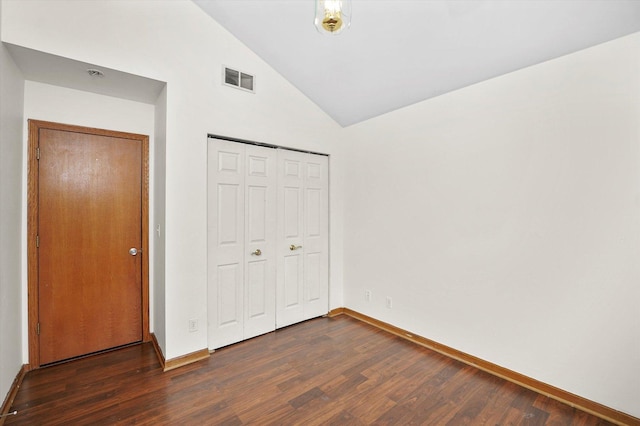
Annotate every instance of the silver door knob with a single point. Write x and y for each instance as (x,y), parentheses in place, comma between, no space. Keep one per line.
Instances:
(133,251)
(293,247)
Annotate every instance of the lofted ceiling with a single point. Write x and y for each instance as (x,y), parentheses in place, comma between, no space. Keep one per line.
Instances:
(399,52)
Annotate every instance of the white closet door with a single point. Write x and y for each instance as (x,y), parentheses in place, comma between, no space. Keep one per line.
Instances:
(241,235)
(226,242)
(260,244)
(302,285)
(316,236)
(289,293)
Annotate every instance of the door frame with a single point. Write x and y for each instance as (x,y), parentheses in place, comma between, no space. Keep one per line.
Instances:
(32,225)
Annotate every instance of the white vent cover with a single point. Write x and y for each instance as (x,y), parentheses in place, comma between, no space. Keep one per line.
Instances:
(238,79)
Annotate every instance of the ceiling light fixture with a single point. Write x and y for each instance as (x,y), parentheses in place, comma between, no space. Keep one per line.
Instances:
(333,16)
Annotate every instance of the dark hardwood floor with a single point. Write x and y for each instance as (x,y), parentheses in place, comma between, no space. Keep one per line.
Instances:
(324,371)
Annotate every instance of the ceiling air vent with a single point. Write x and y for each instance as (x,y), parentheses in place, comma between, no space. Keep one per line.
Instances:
(238,79)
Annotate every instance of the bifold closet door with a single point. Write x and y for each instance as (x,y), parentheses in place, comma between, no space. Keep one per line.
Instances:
(241,238)
(303,237)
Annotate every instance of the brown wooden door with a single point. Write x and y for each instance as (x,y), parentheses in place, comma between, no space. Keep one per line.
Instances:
(89,216)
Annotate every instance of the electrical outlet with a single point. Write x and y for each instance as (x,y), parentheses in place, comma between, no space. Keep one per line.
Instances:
(389,302)
(193,325)
(367,295)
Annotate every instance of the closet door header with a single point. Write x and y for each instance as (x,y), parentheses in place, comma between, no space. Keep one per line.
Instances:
(267,145)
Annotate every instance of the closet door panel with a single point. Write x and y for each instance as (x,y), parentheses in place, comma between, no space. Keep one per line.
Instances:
(316,236)
(256,214)
(229,222)
(290,271)
(257,306)
(260,245)
(229,295)
(292,280)
(303,278)
(229,304)
(226,230)
(312,277)
(292,200)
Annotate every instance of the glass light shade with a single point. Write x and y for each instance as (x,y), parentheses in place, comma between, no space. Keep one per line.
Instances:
(333,16)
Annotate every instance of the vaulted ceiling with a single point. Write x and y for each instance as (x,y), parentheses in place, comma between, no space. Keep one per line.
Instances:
(399,52)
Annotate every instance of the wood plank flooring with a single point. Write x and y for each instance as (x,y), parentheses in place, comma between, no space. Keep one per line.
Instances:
(325,371)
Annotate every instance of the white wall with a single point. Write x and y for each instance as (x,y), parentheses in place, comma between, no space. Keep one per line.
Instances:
(44,102)
(175,42)
(504,221)
(62,105)
(157,243)
(11,105)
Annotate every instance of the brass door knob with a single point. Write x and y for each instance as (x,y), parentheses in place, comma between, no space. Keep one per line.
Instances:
(258,252)
(293,247)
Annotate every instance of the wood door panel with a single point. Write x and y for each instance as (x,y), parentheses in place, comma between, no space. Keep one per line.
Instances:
(90,209)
